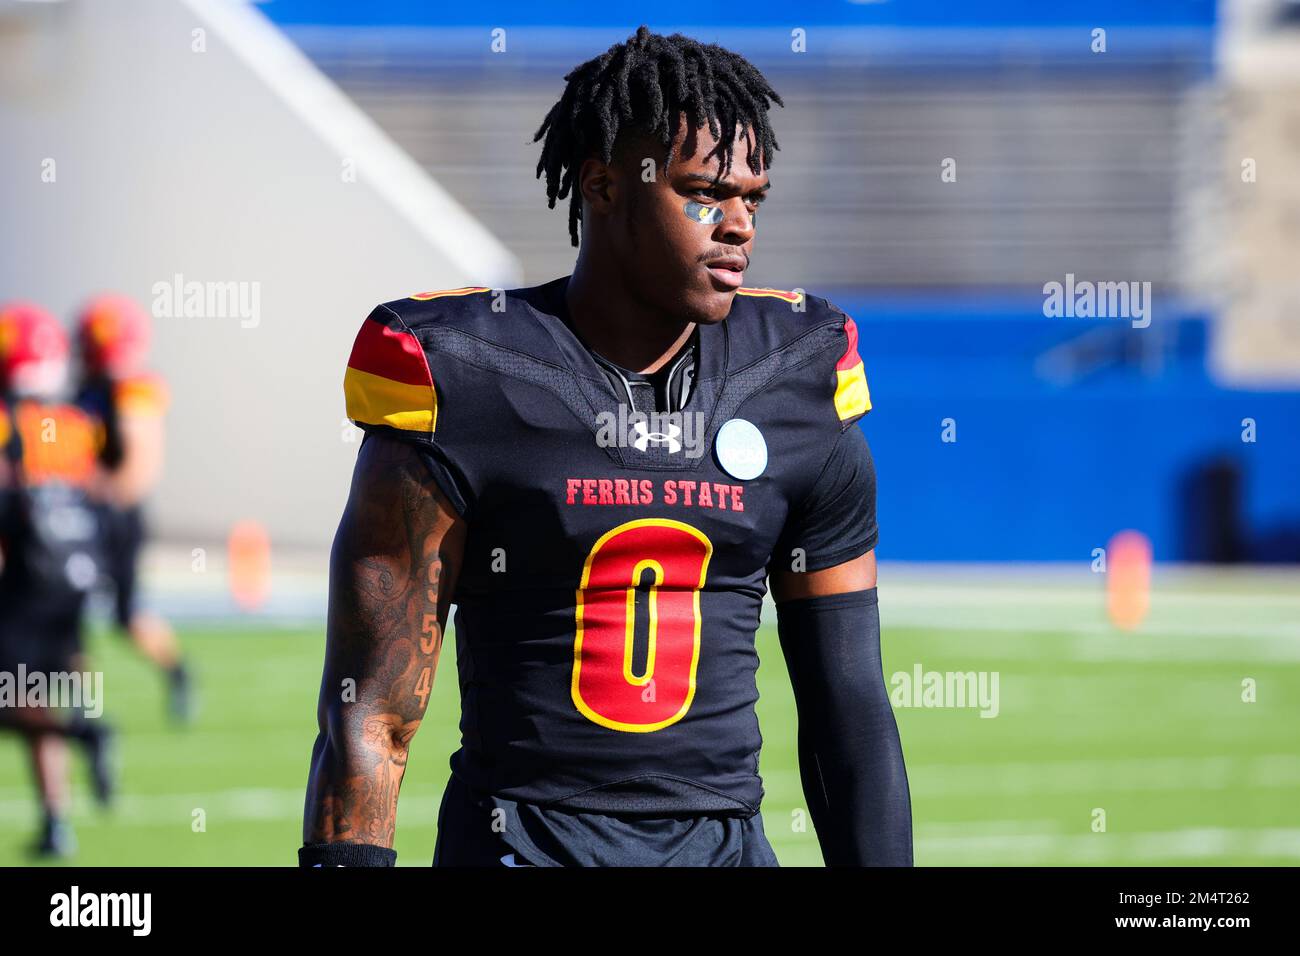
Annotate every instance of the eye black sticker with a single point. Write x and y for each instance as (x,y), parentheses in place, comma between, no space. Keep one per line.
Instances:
(697,212)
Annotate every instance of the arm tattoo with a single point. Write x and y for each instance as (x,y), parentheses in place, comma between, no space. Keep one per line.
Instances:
(393,570)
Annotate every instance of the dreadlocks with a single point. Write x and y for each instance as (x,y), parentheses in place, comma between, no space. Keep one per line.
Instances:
(646,84)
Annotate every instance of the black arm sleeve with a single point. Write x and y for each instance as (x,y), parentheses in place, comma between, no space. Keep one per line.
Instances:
(850,756)
(345,854)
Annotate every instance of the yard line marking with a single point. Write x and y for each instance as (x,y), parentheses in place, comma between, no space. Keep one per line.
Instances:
(1102,776)
(1107,776)
(219,806)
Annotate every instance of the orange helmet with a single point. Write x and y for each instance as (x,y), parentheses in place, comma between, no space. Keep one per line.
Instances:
(114,335)
(33,350)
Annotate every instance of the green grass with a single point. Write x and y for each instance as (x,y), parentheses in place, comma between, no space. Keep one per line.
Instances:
(1150,729)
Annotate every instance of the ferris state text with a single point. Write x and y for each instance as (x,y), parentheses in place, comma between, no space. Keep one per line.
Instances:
(641,491)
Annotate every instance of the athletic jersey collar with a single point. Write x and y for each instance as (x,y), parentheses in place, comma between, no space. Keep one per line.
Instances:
(711,343)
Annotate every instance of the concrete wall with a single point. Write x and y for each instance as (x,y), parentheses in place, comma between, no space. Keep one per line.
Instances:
(149,139)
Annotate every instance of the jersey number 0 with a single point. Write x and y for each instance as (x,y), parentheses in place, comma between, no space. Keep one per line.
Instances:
(670,559)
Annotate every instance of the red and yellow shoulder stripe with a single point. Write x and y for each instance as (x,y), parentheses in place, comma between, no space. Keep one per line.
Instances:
(388,381)
(442,293)
(851,394)
(141,395)
(772,293)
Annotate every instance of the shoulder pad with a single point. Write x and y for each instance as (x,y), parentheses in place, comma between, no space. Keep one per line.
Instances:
(792,296)
(411,352)
(852,397)
(388,382)
(141,395)
(469,307)
(766,320)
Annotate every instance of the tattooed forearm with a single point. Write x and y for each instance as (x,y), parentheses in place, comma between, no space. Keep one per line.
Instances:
(392,575)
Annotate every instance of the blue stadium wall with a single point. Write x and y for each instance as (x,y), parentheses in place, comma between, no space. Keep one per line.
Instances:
(1047,471)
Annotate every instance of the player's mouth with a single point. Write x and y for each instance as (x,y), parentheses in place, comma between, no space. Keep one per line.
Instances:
(728,272)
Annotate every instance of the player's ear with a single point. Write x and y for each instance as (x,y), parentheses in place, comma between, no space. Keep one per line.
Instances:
(596,182)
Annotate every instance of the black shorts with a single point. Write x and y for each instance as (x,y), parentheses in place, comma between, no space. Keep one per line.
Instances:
(124,534)
(43,633)
(495,831)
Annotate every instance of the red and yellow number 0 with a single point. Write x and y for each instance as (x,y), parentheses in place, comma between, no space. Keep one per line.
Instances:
(605,689)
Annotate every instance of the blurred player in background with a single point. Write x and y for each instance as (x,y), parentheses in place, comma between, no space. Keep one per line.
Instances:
(113,333)
(50,540)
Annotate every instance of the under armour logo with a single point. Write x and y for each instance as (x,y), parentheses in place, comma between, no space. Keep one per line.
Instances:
(679,432)
(644,437)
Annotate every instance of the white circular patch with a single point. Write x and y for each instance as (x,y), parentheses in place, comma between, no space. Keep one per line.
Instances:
(741,450)
(81,571)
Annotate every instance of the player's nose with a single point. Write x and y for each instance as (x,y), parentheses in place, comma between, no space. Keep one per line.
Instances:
(737,224)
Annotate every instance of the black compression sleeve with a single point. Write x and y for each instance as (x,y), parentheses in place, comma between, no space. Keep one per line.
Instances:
(346,854)
(850,756)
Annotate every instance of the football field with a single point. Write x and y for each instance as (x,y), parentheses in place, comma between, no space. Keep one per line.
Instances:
(1178,743)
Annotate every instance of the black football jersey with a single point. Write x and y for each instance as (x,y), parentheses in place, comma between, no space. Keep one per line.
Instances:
(50,527)
(616,560)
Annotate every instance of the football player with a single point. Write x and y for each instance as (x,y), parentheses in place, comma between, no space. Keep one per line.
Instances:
(113,333)
(605,473)
(49,538)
